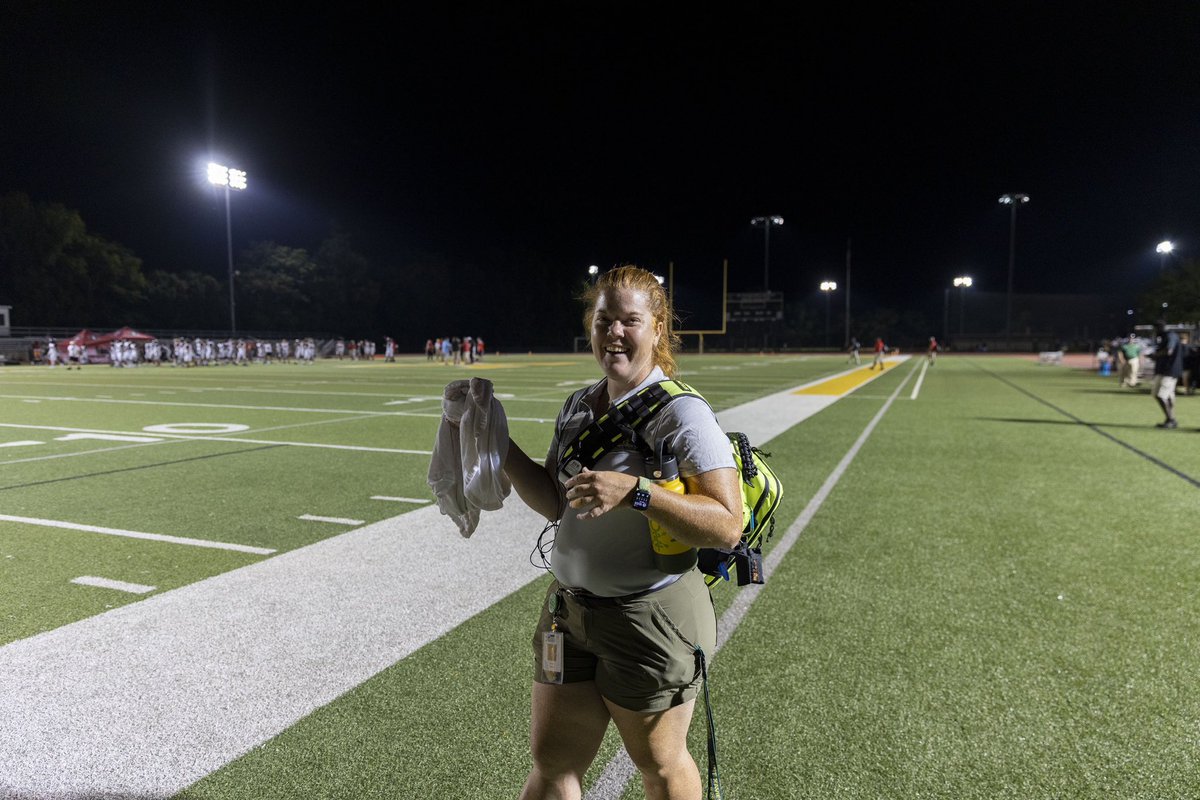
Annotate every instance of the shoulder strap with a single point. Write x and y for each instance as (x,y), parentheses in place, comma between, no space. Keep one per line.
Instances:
(630,414)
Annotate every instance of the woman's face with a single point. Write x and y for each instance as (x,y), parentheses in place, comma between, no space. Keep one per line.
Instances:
(623,336)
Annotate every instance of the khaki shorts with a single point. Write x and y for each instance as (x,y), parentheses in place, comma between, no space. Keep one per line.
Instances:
(641,652)
(1164,387)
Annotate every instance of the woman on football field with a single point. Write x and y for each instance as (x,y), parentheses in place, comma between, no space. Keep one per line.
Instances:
(619,639)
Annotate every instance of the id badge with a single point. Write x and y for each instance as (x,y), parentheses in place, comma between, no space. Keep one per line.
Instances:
(552,656)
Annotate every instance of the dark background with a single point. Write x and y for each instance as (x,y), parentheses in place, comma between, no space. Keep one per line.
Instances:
(486,139)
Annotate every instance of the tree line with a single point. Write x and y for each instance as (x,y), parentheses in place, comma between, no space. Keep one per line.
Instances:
(57,273)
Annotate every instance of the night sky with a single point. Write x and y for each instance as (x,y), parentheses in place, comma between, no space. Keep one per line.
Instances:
(605,133)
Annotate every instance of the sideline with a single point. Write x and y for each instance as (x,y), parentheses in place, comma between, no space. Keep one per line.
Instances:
(619,771)
(148,698)
(920,379)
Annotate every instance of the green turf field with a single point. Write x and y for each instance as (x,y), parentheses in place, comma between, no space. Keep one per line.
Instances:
(997,598)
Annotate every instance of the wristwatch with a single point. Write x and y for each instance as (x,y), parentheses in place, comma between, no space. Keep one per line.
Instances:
(641,495)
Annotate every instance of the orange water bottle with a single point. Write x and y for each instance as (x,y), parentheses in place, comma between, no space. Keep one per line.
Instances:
(670,555)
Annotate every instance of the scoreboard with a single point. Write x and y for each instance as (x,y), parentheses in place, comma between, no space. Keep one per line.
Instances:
(754,307)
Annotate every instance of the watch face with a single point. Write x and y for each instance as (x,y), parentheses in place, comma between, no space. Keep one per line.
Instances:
(641,499)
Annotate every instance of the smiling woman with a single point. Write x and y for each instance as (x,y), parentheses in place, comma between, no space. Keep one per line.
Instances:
(619,639)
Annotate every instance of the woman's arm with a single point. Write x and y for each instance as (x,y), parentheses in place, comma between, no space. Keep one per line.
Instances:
(709,515)
(535,484)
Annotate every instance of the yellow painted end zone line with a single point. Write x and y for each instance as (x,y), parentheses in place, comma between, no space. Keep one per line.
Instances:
(847,382)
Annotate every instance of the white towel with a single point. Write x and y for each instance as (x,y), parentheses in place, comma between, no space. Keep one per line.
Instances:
(464,472)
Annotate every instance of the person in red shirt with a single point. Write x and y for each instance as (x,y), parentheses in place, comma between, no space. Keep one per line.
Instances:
(933,348)
(880,349)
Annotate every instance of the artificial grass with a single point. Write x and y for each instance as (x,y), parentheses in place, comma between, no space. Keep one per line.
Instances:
(964,619)
(996,601)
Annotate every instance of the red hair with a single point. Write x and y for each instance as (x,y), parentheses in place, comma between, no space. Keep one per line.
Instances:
(637,279)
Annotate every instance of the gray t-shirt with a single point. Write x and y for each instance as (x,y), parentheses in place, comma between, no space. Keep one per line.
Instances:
(610,555)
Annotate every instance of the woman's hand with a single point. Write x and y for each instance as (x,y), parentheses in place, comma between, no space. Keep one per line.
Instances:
(597,493)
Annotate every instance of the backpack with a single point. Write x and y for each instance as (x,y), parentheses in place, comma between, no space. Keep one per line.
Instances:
(761,488)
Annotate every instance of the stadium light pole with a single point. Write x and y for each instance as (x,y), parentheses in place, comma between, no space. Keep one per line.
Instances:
(593,273)
(963,283)
(1164,249)
(219,175)
(846,341)
(828,287)
(946,315)
(766,223)
(1012,201)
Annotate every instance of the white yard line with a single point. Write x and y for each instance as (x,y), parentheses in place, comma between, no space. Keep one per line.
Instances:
(417,500)
(154,537)
(319,445)
(78,453)
(917,387)
(231,406)
(108,583)
(148,698)
(200,438)
(240,407)
(338,520)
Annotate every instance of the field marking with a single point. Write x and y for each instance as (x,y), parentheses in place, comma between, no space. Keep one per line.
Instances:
(78,453)
(401,499)
(308,424)
(767,417)
(139,700)
(22,443)
(237,407)
(154,537)
(920,378)
(847,381)
(611,783)
(433,395)
(201,428)
(338,520)
(185,437)
(320,445)
(229,406)
(235,389)
(106,583)
(106,437)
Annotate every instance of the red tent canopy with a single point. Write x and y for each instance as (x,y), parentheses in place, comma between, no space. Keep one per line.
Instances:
(125,334)
(86,338)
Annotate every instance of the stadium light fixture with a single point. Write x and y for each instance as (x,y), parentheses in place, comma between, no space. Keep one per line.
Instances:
(1164,249)
(1013,201)
(963,282)
(220,175)
(767,223)
(828,288)
(593,273)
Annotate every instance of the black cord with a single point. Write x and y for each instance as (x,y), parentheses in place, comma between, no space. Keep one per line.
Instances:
(543,548)
(714,775)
